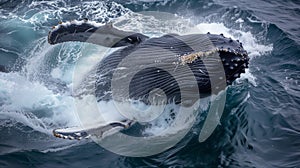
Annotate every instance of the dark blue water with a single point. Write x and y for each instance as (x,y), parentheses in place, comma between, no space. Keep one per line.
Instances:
(260,124)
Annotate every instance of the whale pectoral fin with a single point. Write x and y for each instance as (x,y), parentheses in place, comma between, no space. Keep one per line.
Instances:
(71,133)
(92,32)
(99,130)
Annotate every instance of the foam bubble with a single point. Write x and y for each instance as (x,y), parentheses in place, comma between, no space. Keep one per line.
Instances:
(249,76)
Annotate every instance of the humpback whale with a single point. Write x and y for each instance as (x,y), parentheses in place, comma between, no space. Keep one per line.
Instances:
(151,64)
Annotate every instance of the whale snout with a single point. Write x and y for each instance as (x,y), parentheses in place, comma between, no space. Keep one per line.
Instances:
(218,48)
(234,57)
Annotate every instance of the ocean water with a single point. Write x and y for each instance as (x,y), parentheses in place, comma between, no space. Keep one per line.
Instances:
(260,123)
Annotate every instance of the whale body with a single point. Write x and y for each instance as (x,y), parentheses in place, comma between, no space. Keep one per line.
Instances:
(152,62)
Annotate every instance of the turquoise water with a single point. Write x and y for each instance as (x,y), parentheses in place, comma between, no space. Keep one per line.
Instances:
(260,123)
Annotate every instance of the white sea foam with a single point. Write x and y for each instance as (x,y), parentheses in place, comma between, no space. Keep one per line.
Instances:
(57,149)
(23,98)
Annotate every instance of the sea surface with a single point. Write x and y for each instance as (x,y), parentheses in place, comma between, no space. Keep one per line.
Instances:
(260,125)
